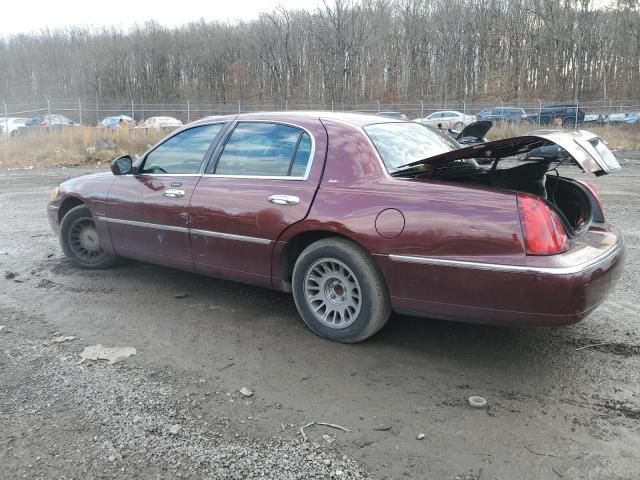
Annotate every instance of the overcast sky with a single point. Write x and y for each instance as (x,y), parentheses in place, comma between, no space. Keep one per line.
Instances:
(17,16)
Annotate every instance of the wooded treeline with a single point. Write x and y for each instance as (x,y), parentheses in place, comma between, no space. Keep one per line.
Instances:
(344,52)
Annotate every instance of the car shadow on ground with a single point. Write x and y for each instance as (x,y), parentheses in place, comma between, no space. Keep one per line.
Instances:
(251,311)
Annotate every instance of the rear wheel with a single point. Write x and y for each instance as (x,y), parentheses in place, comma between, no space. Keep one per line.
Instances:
(339,291)
(569,123)
(80,242)
(458,126)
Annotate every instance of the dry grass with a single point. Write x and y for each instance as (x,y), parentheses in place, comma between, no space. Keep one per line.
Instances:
(619,137)
(73,146)
(89,145)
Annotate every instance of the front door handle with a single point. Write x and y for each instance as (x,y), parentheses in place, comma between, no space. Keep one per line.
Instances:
(173,193)
(284,199)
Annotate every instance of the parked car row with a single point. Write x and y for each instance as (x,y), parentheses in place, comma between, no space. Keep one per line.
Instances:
(118,121)
(13,126)
(563,115)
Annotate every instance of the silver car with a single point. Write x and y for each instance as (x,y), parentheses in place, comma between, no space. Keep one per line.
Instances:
(447,119)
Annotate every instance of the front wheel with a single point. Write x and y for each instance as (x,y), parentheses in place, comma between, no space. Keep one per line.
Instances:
(458,126)
(339,291)
(80,242)
(569,123)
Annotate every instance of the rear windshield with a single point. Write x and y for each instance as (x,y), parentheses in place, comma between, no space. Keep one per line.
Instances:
(401,143)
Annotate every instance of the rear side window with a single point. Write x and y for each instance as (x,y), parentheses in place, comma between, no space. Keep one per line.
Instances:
(265,149)
(182,153)
(401,143)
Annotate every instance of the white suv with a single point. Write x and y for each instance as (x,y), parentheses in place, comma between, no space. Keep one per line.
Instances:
(10,126)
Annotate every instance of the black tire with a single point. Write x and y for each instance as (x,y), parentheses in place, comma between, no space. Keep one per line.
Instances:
(79,240)
(374,302)
(458,126)
(569,123)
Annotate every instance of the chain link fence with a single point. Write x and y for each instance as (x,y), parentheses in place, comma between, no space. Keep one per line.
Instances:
(91,113)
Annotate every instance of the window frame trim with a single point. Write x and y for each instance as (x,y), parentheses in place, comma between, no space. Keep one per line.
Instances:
(205,160)
(215,157)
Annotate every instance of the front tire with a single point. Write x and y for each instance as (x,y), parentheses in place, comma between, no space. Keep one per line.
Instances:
(458,126)
(80,242)
(340,293)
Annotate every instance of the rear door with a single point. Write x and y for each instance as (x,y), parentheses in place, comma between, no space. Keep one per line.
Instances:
(148,213)
(263,178)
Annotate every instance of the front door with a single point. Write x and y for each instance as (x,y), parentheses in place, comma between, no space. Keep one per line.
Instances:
(263,180)
(148,213)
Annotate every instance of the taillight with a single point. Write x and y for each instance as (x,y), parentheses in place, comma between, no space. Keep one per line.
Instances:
(543,231)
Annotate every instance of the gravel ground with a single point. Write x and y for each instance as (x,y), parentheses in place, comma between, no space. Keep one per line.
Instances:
(175,408)
(100,420)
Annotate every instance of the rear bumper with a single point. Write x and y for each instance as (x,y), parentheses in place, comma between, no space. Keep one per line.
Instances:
(547,291)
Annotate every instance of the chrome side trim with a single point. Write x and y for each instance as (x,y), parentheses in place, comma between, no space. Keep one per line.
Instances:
(231,236)
(133,223)
(255,177)
(194,231)
(496,267)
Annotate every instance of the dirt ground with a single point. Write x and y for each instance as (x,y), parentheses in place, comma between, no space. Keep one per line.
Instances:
(175,410)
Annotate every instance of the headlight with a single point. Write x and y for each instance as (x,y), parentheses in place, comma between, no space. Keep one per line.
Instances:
(54,194)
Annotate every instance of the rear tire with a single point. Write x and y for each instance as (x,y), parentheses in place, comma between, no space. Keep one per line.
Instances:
(340,293)
(458,126)
(80,242)
(569,123)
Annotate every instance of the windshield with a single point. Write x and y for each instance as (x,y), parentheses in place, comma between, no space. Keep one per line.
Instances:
(401,143)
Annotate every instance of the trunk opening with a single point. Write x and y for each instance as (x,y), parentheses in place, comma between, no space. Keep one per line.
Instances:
(572,200)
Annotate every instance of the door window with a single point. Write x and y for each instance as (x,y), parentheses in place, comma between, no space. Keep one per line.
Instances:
(182,153)
(265,149)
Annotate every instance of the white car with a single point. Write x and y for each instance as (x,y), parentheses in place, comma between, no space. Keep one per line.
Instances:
(447,119)
(10,126)
(161,122)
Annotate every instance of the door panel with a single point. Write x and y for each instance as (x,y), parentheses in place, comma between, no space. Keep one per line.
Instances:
(148,213)
(236,217)
(147,224)
(235,225)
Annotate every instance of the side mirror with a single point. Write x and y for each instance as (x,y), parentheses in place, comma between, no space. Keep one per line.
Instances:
(122,165)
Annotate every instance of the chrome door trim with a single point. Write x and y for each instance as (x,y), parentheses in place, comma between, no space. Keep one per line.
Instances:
(614,251)
(193,231)
(230,236)
(134,223)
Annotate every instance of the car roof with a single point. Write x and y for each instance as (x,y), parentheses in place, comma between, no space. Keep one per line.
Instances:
(356,119)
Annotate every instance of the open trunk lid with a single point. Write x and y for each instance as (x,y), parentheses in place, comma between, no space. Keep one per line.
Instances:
(476,129)
(588,150)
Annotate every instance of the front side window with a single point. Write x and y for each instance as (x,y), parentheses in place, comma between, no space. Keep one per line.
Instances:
(265,149)
(182,153)
(401,143)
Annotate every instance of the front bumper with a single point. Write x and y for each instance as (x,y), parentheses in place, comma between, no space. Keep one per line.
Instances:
(547,291)
(52,215)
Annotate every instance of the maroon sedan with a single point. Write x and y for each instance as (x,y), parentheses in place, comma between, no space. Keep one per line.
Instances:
(359,215)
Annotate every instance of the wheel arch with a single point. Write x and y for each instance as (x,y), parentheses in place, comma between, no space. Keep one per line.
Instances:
(67,204)
(294,247)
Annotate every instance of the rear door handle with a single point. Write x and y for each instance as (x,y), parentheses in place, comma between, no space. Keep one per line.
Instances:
(173,193)
(284,199)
